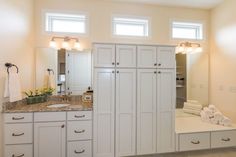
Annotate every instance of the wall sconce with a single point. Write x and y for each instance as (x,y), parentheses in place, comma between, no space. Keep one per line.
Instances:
(65,43)
(188,47)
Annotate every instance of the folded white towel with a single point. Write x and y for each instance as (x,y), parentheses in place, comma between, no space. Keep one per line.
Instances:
(218,116)
(193,106)
(204,117)
(13,87)
(225,121)
(213,108)
(193,101)
(214,121)
(191,111)
(208,112)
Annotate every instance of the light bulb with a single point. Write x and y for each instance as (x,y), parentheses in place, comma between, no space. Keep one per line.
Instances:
(65,45)
(198,50)
(77,45)
(53,44)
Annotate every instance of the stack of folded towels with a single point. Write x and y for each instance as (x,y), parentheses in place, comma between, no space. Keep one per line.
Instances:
(192,107)
(212,115)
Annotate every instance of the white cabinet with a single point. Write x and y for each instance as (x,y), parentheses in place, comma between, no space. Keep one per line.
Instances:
(104,55)
(165,110)
(146,111)
(125,112)
(79,149)
(50,139)
(104,112)
(18,151)
(166,57)
(126,56)
(147,56)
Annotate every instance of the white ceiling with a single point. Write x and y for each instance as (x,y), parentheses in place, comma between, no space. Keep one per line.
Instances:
(203,4)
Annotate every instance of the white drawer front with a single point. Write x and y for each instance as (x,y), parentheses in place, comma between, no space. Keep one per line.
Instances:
(49,116)
(18,133)
(79,115)
(79,130)
(18,151)
(18,117)
(79,149)
(223,139)
(196,141)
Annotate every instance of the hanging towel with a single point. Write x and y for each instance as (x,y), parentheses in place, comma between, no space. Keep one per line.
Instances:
(51,81)
(13,87)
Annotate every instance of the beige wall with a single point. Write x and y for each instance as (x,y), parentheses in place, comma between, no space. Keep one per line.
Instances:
(16,42)
(223,58)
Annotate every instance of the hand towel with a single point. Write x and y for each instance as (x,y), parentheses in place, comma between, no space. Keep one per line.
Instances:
(213,108)
(192,111)
(51,81)
(13,87)
(218,116)
(208,112)
(214,121)
(204,117)
(193,106)
(225,121)
(193,101)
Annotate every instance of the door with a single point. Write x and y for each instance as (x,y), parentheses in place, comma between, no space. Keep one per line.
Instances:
(147,57)
(166,111)
(49,139)
(78,72)
(146,111)
(125,112)
(126,56)
(104,55)
(166,57)
(104,112)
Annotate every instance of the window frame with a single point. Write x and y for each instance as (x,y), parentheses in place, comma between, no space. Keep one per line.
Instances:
(203,23)
(45,22)
(148,26)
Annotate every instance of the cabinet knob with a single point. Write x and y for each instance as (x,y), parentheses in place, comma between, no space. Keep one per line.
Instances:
(63,126)
(19,118)
(21,134)
(79,131)
(118,63)
(117,72)
(113,72)
(159,72)
(159,64)
(18,155)
(113,63)
(155,72)
(76,152)
(155,64)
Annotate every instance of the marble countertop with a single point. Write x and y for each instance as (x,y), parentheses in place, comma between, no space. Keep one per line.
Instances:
(75,105)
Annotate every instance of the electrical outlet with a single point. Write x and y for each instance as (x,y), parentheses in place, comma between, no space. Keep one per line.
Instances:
(232,89)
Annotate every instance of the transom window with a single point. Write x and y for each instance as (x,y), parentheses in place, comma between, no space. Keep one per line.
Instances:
(136,27)
(187,30)
(66,23)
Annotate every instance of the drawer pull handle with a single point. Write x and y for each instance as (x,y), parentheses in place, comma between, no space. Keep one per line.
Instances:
(76,152)
(225,140)
(18,134)
(20,118)
(159,64)
(62,126)
(195,142)
(18,155)
(79,132)
(79,116)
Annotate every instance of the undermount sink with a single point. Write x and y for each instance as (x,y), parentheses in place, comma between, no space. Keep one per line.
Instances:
(58,105)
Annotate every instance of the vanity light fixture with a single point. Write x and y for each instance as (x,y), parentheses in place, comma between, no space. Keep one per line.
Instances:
(188,47)
(66,43)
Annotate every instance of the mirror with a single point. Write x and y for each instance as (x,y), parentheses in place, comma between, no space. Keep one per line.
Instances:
(68,71)
(191,78)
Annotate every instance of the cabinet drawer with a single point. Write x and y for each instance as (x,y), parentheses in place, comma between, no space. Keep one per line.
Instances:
(79,115)
(223,139)
(79,130)
(18,151)
(18,117)
(49,116)
(195,141)
(18,133)
(79,149)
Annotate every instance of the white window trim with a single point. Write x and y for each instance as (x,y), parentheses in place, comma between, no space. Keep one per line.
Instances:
(204,26)
(130,36)
(87,23)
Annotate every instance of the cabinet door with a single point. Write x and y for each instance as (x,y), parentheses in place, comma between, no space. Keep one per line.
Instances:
(104,55)
(166,57)
(126,56)
(104,104)
(49,139)
(147,57)
(166,111)
(125,112)
(146,111)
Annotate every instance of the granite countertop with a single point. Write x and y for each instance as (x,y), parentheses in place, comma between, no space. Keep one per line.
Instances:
(76,104)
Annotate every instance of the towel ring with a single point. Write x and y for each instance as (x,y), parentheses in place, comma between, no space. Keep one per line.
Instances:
(50,70)
(10,65)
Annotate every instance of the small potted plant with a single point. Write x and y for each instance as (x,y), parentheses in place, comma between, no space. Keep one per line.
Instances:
(38,96)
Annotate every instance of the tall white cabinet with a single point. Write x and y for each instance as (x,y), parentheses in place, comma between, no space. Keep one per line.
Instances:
(134,94)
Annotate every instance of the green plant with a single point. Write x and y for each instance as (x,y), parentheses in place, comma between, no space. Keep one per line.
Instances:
(39,92)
